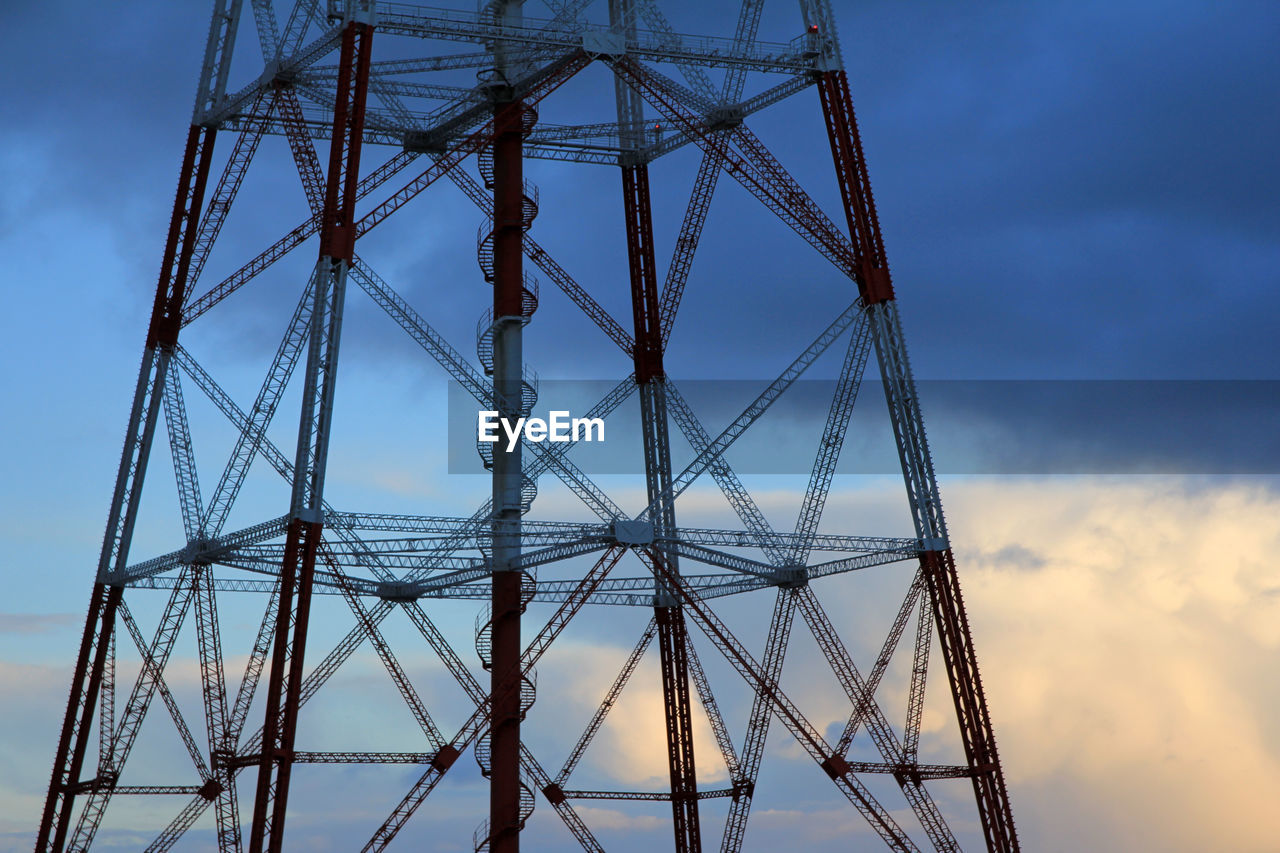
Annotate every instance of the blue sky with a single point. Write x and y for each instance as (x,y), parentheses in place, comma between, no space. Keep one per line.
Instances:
(1067,191)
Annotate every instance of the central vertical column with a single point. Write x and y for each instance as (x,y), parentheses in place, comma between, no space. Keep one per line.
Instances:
(508,254)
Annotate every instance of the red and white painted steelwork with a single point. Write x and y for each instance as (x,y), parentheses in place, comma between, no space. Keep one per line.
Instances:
(323,80)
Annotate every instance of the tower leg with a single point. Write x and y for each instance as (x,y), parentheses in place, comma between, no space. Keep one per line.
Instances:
(672,636)
(303,539)
(72,744)
(937,563)
(162,336)
(994,808)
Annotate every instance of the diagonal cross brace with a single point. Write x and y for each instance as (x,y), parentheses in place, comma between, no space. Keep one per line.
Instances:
(805,733)
(760,405)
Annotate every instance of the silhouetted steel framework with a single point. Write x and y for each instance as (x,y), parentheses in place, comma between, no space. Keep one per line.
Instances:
(316,549)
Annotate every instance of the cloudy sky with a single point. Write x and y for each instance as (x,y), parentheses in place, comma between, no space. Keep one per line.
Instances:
(1068,191)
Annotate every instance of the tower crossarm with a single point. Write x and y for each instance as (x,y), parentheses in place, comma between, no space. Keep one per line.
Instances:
(652,796)
(861,561)
(468,583)
(820,542)
(699,51)
(206,551)
(712,557)
(429,529)
(416,65)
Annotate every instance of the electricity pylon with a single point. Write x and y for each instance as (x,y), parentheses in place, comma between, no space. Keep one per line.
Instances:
(320,81)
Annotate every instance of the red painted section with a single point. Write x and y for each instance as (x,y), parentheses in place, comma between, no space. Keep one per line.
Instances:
(672,636)
(836,766)
(337,228)
(504,734)
(872,268)
(508,209)
(445,758)
(644,280)
(162,332)
(677,707)
(284,684)
(994,809)
(507,606)
(55,821)
(875,286)
(166,311)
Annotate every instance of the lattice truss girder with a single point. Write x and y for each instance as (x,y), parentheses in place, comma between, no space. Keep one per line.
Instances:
(415,109)
(379,563)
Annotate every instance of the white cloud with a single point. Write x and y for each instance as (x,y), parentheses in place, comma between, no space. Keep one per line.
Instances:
(630,748)
(1127,672)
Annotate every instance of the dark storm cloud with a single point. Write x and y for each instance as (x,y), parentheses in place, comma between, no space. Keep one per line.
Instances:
(1067,190)
(1077,190)
(105,95)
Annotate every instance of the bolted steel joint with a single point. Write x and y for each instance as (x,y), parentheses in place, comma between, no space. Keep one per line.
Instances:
(792,577)
(723,118)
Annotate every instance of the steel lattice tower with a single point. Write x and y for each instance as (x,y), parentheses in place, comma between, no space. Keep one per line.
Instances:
(321,81)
